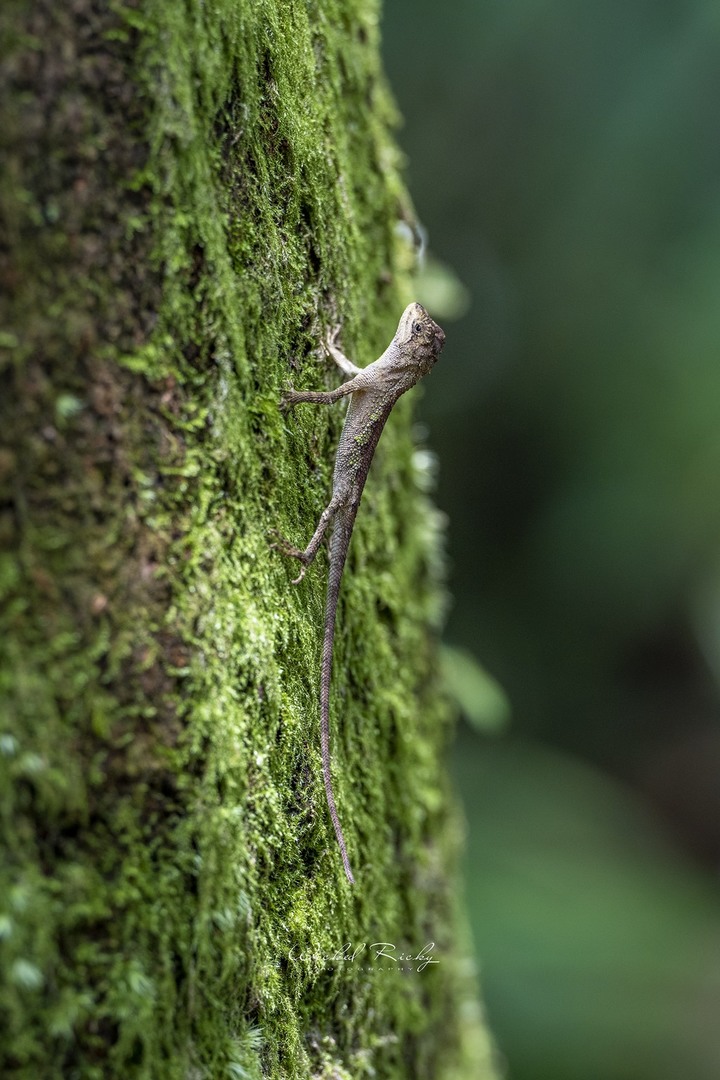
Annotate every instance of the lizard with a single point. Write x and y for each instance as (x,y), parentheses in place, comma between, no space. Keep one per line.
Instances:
(373,390)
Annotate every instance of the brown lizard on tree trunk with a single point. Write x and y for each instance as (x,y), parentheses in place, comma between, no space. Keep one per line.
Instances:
(374,389)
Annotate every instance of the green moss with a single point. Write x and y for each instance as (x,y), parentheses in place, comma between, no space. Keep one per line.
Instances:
(196,192)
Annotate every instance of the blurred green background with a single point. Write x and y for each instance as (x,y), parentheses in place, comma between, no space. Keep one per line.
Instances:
(565,159)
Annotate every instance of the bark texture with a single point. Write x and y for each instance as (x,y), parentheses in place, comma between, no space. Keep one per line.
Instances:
(191,192)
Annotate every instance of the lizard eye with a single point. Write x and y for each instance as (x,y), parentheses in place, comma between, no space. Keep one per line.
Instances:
(416,328)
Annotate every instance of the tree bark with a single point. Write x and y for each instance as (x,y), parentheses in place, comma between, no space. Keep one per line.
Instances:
(192,194)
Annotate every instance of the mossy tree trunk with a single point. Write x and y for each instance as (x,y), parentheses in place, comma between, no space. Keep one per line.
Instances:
(192,192)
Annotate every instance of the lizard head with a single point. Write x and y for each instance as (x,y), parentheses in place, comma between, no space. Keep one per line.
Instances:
(419,337)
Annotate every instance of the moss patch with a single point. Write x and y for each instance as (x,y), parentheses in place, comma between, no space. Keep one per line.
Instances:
(194,193)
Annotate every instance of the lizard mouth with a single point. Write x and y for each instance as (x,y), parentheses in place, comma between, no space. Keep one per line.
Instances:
(439,339)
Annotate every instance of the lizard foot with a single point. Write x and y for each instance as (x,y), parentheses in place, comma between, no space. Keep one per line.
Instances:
(286,548)
(289,399)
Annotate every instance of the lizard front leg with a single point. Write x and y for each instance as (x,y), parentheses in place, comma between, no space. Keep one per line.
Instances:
(333,349)
(293,397)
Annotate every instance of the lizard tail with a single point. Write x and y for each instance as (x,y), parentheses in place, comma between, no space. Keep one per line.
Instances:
(338,545)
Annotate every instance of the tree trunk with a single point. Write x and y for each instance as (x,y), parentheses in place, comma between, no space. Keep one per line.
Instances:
(193,192)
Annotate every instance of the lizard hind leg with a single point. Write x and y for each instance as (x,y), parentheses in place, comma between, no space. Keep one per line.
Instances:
(281,544)
(306,556)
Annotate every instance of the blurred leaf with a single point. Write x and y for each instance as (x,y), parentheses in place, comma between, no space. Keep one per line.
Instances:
(439,288)
(599,940)
(481,699)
